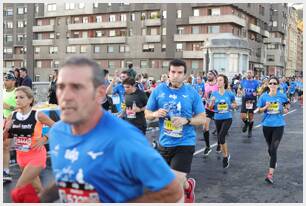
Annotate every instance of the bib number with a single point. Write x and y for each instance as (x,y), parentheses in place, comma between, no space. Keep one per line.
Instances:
(222,108)
(130,114)
(116,99)
(171,130)
(273,108)
(75,194)
(22,143)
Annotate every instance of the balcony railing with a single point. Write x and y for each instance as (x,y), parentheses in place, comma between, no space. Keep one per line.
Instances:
(44,28)
(97,25)
(98,40)
(42,42)
(254,28)
(217,19)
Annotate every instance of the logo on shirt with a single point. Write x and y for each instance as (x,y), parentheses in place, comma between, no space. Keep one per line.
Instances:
(80,176)
(185,96)
(173,96)
(72,155)
(94,155)
(55,150)
(162,95)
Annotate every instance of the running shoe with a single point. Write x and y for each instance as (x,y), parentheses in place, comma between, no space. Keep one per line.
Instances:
(6,177)
(245,127)
(249,133)
(207,151)
(226,161)
(269,178)
(189,193)
(218,150)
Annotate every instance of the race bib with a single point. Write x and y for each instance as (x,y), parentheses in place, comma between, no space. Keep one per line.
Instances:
(273,108)
(22,143)
(171,130)
(222,108)
(248,105)
(76,193)
(130,114)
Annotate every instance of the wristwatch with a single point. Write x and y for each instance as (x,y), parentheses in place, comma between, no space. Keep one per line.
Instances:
(188,121)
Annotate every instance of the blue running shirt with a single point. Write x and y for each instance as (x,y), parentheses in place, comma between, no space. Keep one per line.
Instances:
(119,90)
(222,106)
(200,88)
(273,116)
(292,87)
(113,162)
(283,87)
(249,86)
(182,102)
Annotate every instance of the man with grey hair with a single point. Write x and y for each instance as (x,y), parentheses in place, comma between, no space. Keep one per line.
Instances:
(92,161)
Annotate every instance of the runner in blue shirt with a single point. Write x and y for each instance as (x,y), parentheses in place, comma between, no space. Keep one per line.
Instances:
(179,108)
(274,104)
(300,90)
(97,157)
(283,87)
(249,89)
(223,101)
(292,89)
(200,87)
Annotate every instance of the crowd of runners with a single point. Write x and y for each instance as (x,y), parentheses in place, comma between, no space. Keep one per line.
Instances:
(98,148)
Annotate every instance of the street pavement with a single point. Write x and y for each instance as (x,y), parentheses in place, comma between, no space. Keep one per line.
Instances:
(243,181)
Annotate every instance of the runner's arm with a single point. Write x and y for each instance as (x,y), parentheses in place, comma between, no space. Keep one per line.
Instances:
(171,193)
(44,119)
(199,119)
(49,194)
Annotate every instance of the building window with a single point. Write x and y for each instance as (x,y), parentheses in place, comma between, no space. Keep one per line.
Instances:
(53,50)
(81,5)
(96,5)
(274,23)
(270,58)
(154,31)
(98,18)
(9,12)
(195,65)
(71,49)
(20,10)
(179,14)
(123,17)
(214,12)
(8,38)
(144,64)
(163,49)
(143,16)
(196,12)
(20,37)
(84,34)
(112,18)
(121,48)
(130,32)
(9,25)
(51,36)
(164,14)
(85,19)
(83,49)
(98,33)
(111,64)
(195,30)
(56,64)
(164,31)
(261,10)
(180,30)
(51,7)
(69,6)
(148,48)
(96,49)
(110,49)
(179,47)
(112,33)
(213,29)
(38,64)
(133,17)
(37,50)
(155,15)
(8,50)
(20,24)
(144,31)
(37,78)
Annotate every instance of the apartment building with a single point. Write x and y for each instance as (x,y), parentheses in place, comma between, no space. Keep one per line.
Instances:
(228,37)
(299,57)
(17,39)
(292,42)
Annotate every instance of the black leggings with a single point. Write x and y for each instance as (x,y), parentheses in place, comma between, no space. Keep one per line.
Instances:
(222,129)
(273,137)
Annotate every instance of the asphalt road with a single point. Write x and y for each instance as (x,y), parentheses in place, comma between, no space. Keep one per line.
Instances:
(243,181)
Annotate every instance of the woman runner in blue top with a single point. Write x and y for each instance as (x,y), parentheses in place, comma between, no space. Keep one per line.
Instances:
(274,104)
(223,101)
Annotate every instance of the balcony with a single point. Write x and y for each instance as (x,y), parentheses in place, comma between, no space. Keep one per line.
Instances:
(192,37)
(217,19)
(152,38)
(152,22)
(42,42)
(272,40)
(98,40)
(43,55)
(19,56)
(44,28)
(97,25)
(193,54)
(254,28)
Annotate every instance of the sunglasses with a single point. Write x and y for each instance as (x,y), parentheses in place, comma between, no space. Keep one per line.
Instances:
(273,83)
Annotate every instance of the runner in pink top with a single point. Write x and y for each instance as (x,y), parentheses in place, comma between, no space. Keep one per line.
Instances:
(210,86)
